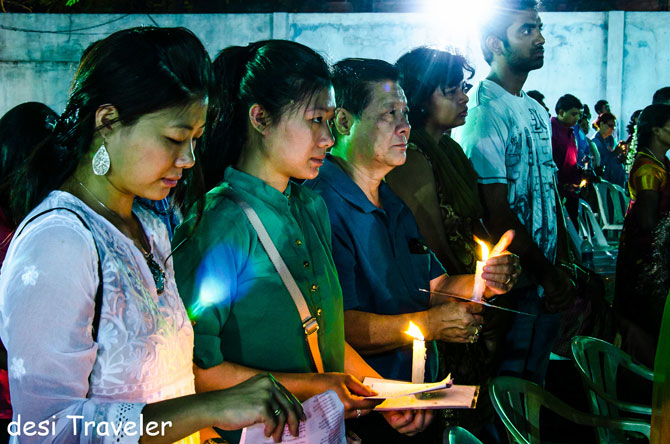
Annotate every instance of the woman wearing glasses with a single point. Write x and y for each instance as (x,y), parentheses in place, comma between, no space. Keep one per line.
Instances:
(610,153)
(439,185)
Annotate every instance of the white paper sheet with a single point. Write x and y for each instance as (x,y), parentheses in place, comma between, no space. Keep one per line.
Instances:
(389,389)
(324,425)
(456,397)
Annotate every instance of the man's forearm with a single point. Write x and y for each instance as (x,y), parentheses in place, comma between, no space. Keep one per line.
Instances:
(371,333)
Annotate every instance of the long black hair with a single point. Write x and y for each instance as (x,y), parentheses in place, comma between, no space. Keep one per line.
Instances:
(279,75)
(653,116)
(21,128)
(424,69)
(138,71)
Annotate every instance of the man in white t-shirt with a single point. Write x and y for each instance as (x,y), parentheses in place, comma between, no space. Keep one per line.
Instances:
(508,138)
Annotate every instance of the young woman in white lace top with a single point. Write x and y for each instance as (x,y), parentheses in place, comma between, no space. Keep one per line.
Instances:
(99,343)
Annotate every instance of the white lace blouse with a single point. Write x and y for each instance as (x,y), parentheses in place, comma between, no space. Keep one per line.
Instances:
(57,373)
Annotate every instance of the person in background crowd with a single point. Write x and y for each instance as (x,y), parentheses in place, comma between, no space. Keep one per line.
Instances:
(661,96)
(382,261)
(439,185)
(602,106)
(539,97)
(507,137)
(21,129)
(638,299)
(276,127)
(588,156)
(565,153)
(611,167)
(94,327)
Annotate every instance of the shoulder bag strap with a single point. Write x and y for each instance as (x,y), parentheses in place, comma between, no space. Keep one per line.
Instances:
(309,322)
(98,293)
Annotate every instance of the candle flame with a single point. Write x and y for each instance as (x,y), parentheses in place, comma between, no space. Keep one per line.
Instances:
(414,331)
(485,249)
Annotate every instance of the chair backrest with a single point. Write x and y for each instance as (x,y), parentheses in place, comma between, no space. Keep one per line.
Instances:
(589,227)
(518,403)
(458,435)
(612,203)
(619,200)
(598,363)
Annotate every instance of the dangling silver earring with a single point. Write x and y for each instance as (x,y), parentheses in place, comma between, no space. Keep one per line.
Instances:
(101,161)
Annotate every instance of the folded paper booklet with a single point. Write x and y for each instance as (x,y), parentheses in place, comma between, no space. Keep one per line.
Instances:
(452,397)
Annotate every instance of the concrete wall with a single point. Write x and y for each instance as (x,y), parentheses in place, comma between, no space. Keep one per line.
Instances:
(623,57)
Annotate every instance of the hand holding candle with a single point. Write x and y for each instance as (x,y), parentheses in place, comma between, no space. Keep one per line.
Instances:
(502,269)
(418,355)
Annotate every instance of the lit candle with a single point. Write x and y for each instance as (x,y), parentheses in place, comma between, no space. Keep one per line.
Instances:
(478,288)
(418,355)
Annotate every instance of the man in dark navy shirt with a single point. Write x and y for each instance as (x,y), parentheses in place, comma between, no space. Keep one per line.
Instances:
(381,259)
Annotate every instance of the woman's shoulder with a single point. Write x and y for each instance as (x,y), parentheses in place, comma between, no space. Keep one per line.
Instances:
(647,174)
(59,211)
(311,201)
(56,232)
(221,218)
(646,165)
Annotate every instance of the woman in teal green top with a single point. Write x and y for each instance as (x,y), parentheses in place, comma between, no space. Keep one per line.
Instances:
(276,126)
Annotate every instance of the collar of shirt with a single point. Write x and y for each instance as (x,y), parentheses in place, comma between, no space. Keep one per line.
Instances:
(258,188)
(558,127)
(345,186)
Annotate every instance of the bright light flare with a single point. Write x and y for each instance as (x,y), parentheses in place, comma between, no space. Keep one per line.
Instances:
(414,331)
(583,183)
(212,291)
(454,25)
(459,11)
(485,249)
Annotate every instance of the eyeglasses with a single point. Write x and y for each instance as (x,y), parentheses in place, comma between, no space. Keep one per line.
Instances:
(464,86)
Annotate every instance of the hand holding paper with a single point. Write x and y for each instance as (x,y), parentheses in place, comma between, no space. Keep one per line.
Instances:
(324,424)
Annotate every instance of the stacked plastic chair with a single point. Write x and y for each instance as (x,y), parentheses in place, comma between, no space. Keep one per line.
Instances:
(598,363)
(518,403)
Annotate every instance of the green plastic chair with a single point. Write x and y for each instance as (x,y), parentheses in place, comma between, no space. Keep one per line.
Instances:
(518,403)
(458,435)
(598,363)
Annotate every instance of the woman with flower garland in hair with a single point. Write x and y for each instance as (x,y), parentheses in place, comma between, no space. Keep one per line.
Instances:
(650,202)
(94,327)
(276,127)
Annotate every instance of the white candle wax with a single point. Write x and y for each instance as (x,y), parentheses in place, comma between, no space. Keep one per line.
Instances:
(418,361)
(478,288)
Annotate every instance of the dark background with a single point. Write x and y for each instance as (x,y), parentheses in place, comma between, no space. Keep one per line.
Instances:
(231,6)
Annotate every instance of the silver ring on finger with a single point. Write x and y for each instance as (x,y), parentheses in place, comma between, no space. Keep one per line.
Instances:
(509,279)
(358,413)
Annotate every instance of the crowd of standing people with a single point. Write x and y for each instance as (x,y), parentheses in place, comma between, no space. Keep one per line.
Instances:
(209,243)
